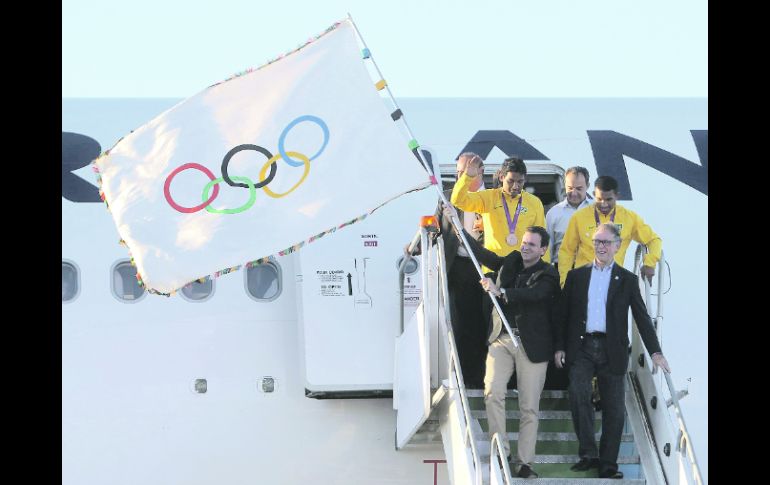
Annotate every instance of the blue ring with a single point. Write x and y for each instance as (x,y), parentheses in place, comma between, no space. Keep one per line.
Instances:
(286,158)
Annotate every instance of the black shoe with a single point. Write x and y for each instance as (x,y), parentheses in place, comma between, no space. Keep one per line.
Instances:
(611,473)
(585,464)
(526,472)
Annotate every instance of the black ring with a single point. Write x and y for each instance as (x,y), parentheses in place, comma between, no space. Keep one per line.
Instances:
(263,151)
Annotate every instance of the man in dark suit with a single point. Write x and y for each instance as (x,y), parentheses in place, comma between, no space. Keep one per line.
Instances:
(465,294)
(527,288)
(593,323)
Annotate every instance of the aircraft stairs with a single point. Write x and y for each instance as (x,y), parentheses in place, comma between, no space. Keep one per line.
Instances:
(433,405)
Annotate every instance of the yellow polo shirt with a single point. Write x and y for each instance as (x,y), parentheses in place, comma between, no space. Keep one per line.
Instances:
(577,247)
(489,204)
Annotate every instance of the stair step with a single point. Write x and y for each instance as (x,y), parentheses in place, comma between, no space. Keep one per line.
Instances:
(516,414)
(550,394)
(553,447)
(557,436)
(545,425)
(546,404)
(483,438)
(556,473)
(570,459)
(568,481)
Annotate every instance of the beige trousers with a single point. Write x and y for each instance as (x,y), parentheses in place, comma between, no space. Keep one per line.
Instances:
(502,359)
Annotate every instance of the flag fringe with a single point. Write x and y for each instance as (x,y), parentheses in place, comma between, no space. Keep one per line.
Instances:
(249,264)
(298,48)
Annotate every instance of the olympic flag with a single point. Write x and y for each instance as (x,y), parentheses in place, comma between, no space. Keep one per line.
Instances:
(257,164)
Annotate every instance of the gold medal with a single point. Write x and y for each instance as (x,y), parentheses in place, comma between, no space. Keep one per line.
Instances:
(511,239)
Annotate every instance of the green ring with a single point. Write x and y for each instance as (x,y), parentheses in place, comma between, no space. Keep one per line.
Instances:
(246,206)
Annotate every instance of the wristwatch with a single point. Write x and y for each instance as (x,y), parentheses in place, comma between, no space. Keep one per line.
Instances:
(503,295)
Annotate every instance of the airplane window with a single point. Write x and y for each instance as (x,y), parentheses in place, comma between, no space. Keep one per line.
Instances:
(70,282)
(198,291)
(125,287)
(263,282)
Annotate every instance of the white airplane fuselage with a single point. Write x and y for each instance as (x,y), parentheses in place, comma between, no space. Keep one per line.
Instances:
(131,413)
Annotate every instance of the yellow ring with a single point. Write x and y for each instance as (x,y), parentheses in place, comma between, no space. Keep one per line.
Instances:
(277,157)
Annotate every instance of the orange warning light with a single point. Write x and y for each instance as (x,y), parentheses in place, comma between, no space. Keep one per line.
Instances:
(429,222)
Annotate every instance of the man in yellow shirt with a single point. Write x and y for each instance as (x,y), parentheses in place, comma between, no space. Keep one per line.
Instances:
(577,249)
(506,211)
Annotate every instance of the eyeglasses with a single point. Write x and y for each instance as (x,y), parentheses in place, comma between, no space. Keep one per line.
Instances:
(603,242)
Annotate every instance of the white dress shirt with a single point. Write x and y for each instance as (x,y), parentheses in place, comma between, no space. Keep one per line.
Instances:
(597,298)
(556,222)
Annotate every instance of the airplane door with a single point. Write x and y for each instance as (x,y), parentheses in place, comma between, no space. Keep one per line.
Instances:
(412,393)
(349,300)
(417,368)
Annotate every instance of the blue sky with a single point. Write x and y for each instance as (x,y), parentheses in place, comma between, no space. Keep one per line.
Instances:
(449,48)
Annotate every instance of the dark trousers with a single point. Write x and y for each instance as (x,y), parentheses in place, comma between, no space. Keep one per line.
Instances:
(592,360)
(470,331)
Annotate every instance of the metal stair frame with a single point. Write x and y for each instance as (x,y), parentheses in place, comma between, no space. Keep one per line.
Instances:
(666,436)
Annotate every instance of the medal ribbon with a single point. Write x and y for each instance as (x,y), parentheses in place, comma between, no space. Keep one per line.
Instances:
(512,225)
(612,216)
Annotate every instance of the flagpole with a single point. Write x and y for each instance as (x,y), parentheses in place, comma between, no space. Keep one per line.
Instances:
(454,219)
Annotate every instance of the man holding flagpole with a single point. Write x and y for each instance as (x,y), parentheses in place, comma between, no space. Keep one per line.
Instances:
(465,295)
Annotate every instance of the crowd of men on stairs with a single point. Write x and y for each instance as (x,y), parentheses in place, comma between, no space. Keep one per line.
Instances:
(560,281)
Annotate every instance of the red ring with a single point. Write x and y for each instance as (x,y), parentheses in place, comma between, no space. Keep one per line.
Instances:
(189,210)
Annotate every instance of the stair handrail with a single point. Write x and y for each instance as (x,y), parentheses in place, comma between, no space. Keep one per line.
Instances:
(454,360)
(684,443)
(496,450)
(421,236)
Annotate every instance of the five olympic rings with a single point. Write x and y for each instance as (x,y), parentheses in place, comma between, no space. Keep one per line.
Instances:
(293,159)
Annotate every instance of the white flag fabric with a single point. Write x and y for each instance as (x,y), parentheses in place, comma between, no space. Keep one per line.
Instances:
(262,162)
